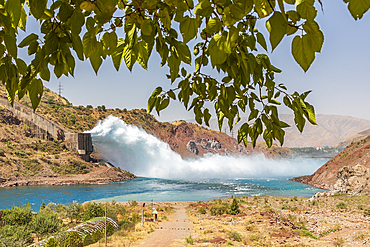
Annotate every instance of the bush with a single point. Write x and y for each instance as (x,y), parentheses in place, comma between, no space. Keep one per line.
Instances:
(234,208)
(73,240)
(96,236)
(341,205)
(202,210)
(235,236)
(126,225)
(367,211)
(45,221)
(17,216)
(218,209)
(2,153)
(52,243)
(93,210)
(14,236)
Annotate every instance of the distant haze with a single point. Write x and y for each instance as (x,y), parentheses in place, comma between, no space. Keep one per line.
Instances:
(330,131)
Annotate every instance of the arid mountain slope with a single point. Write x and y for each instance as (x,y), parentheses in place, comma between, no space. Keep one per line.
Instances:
(357,153)
(331,130)
(355,138)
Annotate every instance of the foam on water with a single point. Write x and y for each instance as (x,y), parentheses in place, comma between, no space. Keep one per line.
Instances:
(132,149)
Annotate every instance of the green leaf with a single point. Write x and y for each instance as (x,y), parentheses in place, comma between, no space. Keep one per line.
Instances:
(218,49)
(358,8)
(45,74)
(96,61)
(174,64)
(37,7)
(263,7)
(87,5)
(90,44)
(276,25)
(314,34)
(130,56)
(65,12)
(34,91)
(77,46)
(243,134)
(110,41)
(171,94)
(22,66)
(207,116)
(77,20)
(27,41)
(11,45)
(261,40)
(143,54)
(214,26)
(156,92)
(310,113)
(188,29)
(146,27)
(164,104)
(14,8)
(59,69)
(203,8)
(306,9)
(117,56)
(151,103)
(302,51)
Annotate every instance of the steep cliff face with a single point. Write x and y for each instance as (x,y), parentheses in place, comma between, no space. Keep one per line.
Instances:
(325,177)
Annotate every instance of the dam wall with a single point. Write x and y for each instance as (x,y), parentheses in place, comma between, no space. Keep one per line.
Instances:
(43,128)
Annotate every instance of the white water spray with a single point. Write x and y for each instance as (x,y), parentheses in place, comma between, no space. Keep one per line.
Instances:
(132,149)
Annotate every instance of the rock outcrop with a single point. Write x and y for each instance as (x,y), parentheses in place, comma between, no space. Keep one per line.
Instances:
(192,147)
(357,154)
(352,179)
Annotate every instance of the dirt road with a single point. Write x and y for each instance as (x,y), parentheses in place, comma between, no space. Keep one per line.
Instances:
(167,232)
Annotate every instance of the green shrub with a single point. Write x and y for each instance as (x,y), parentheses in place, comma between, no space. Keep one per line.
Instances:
(17,216)
(218,209)
(92,210)
(202,210)
(367,211)
(190,240)
(2,153)
(52,242)
(126,225)
(235,236)
(88,240)
(32,165)
(341,205)
(234,207)
(45,221)
(20,154)
(15,236)
(73,239)
(96,236)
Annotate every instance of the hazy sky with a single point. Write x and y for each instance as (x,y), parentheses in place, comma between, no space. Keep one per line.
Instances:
(339,77)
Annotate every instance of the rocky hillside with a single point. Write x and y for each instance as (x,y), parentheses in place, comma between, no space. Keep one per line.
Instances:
(357,153)
(26,160)
(188,140)
(331,130)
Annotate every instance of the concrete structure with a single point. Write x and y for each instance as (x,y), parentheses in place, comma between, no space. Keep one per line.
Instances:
(44,128)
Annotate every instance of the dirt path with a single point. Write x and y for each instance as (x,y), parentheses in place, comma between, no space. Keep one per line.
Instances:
(167,232)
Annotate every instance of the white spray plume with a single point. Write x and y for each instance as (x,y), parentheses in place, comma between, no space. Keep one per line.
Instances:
(132,149)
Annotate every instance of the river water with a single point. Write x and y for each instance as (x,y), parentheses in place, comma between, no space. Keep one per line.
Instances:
(165,176)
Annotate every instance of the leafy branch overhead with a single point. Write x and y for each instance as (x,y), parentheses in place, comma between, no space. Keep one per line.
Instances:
(226,37)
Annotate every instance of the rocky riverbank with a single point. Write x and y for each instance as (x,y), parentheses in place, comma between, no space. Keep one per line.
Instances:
(101,174)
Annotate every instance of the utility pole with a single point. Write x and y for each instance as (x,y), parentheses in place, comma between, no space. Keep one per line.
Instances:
(105,224)
(60,89)
(142,216)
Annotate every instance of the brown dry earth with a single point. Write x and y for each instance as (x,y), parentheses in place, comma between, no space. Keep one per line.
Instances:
(167,232)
